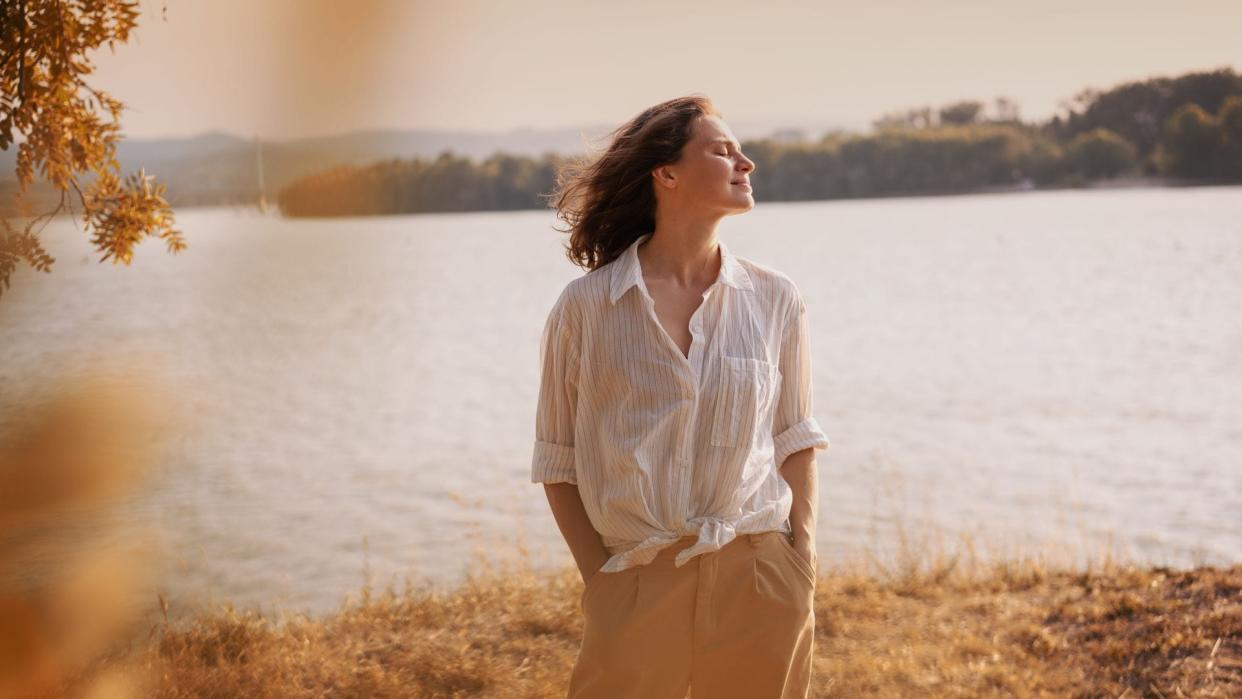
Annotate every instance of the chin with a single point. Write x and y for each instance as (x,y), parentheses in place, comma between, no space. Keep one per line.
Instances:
(737,202)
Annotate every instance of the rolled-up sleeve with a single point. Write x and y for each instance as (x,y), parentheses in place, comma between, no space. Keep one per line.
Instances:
(794,426)
(553,458)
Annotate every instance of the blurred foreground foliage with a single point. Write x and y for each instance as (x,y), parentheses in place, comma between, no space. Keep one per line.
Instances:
(72,573)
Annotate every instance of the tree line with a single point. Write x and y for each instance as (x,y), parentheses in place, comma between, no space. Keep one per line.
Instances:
(1186,128)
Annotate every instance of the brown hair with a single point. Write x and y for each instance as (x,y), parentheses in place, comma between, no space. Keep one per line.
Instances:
(609,201)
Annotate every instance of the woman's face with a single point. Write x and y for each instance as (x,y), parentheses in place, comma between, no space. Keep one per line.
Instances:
(712,171)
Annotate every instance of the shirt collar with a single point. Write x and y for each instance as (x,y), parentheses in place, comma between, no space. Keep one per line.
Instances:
(627,272)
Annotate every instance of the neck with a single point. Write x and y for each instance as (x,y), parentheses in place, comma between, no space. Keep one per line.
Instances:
(682,252)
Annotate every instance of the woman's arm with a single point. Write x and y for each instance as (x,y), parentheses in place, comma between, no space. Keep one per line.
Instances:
(554,460)
(800,472)
(797,434)
(584,542)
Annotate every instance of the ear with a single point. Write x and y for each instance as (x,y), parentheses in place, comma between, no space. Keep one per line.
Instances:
(664,177)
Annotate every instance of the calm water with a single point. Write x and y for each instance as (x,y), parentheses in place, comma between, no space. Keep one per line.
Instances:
(1020,369)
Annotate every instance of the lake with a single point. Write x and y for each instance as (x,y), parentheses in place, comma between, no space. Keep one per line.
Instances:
(1026,370)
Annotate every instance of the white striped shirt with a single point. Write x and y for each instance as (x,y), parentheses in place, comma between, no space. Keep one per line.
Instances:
(662,445)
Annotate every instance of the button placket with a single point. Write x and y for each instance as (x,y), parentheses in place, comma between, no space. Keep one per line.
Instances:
(696,359)
(684,455)
(696,348)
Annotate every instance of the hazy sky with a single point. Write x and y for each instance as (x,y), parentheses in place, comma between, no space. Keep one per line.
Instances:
(290,68)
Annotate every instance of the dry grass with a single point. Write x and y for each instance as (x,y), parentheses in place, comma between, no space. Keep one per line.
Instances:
(931,623)
(935,630)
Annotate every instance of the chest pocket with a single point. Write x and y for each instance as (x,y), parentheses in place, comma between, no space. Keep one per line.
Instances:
(746,389)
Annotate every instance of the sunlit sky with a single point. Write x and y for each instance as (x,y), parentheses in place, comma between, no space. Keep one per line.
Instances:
(294,68)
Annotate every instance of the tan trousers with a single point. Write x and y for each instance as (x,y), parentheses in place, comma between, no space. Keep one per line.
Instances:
(737,622)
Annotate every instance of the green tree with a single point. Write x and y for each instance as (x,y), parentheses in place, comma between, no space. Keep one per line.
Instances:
(1230,119)
(916,118)
(1192,138)
(1101,153)
(1006,110)
(45,99)
(961,113)
(1138,110)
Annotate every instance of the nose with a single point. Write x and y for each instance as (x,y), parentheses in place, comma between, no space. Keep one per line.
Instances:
(747,165)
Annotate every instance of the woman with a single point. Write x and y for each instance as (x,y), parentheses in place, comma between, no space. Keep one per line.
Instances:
(674,430)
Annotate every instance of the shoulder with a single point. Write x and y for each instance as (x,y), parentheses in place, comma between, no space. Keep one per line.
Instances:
(776,288)
(581,297)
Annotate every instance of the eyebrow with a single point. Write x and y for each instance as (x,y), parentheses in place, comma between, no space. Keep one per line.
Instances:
(736,146)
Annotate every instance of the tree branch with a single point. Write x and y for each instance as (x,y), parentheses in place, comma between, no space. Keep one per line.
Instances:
(21,54)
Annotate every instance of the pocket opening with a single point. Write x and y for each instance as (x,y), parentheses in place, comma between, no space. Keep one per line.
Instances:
(590,585)
(802,563)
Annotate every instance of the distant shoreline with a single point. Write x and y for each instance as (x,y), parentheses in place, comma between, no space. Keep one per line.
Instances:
(1131,182)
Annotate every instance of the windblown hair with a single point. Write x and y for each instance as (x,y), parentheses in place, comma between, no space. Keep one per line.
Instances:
(609,200)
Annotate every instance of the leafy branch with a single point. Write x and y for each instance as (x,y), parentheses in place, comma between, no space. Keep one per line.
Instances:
(45,99)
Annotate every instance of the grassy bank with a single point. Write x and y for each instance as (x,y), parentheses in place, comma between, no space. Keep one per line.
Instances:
(930,628)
